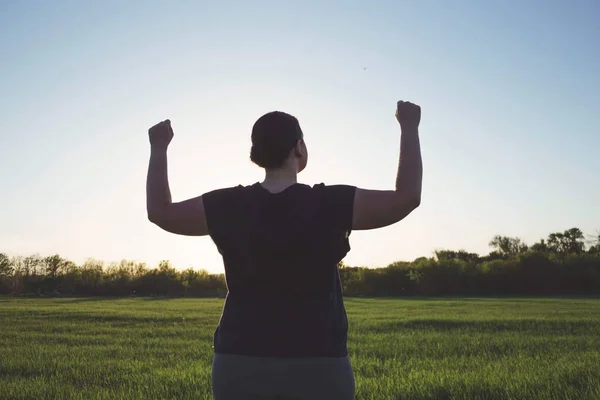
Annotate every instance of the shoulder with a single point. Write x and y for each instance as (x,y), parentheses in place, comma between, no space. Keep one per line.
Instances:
(221,194)
(228,192)
(221,199)
(222,206)
(337,201)
(335,191)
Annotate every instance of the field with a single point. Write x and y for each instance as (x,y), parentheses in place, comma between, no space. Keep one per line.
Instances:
(85,348)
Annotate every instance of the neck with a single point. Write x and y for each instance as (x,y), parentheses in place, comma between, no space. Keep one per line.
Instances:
(279,179)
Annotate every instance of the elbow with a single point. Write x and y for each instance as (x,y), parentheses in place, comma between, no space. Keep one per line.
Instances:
(154,217)
(409,198)
(411,201)
(407,206)
(415,202)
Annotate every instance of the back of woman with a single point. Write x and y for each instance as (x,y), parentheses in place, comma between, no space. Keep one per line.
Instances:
(280,252)
(283,330)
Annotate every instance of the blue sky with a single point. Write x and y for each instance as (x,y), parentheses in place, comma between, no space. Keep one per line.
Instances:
(510,131)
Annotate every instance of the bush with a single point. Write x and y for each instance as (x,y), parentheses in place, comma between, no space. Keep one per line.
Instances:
(559,266)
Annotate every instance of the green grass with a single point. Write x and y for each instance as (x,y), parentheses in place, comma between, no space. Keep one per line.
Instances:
(400,349)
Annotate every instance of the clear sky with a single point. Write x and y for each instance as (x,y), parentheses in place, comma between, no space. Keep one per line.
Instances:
(510,132)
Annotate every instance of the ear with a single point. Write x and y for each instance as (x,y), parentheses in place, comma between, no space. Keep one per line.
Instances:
(299,148)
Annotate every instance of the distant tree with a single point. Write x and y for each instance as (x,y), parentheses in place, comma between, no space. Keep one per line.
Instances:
(571,241)
(420,259)
(509,246)
(494,255)
(196,282)
(54,265)
(32,265)
(91,274)
(6,267)
(165,279)
(462,255)
(18,265)
(556,265)
(540,247)
(165,268)
(69,267)
(595,244)
(139,269)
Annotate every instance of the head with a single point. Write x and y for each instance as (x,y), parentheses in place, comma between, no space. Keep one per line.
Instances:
(278,143)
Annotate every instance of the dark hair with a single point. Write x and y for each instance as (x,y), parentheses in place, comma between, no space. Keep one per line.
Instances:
(274,135)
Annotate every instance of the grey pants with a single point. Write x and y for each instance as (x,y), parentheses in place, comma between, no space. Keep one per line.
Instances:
(262,378)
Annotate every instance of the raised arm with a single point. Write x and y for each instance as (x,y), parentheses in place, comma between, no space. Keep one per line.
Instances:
(183,218)
(378,208)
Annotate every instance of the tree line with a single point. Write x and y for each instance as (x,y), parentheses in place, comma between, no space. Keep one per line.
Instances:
(563,263)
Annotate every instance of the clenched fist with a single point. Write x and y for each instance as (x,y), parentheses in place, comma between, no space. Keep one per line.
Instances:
(161,134)
(408,114)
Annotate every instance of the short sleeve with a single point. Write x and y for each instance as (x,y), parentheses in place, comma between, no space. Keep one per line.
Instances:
(219,208)
(339,205)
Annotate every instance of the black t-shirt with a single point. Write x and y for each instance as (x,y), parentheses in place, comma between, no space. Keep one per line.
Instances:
(280,252)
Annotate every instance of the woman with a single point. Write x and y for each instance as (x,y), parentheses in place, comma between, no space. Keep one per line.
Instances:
(283,331)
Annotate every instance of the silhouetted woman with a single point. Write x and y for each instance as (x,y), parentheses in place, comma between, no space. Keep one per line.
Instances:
(283,330)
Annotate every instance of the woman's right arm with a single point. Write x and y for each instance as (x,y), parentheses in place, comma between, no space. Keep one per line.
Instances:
(183,218)
(378,208)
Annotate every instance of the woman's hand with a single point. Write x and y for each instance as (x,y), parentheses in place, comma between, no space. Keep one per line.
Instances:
(161,134)
(408,114)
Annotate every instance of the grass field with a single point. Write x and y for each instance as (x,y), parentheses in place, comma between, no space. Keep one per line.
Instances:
(401,349)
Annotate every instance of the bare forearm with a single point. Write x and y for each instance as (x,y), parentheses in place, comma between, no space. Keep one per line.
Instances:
(158,193)
(410,166)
